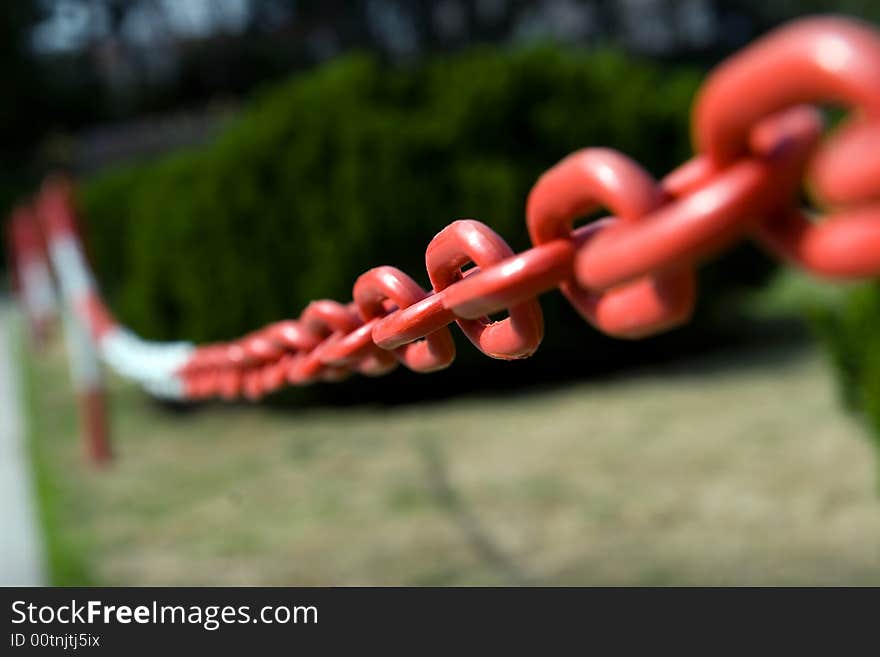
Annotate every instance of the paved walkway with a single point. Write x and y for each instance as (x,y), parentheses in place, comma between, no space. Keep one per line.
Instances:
(21,552)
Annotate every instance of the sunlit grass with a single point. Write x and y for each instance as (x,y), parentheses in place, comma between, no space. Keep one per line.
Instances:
(737,469)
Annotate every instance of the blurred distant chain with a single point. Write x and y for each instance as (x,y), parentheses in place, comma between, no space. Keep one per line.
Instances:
(629,275)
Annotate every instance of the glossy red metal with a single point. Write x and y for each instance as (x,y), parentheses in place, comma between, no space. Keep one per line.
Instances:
(291,334)
(509,282)
(260,347)
(821,59)
(846,250)
(343,320)
(847,170)
(824,60)
(715,206)
(252,384)
(580,185)
(229,383)
(467,242)
(433,352)
(352,347)
(274,375)
(405,325)
(325,317)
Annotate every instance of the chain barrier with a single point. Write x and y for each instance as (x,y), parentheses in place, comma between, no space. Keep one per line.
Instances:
(757,136)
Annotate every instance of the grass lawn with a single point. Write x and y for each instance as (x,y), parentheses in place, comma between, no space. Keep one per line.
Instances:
(735,469)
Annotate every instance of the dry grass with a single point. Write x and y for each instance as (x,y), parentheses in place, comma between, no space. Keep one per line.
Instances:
(737,470)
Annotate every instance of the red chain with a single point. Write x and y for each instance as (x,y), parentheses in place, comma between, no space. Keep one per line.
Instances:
(632,274)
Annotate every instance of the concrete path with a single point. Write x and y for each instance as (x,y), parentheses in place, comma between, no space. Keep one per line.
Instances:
(22,561)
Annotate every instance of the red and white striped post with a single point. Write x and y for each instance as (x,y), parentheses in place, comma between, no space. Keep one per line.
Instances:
(83,319)
(32,281)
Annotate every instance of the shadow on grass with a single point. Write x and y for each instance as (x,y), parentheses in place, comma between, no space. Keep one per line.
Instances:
(474,532)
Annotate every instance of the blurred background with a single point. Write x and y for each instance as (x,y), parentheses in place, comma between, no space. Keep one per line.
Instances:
(236,159)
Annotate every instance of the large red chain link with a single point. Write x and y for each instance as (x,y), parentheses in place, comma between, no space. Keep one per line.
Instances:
(632,274)
(813,60)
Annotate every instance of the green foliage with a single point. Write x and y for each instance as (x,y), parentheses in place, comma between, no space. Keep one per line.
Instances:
(848,330)
(355,165)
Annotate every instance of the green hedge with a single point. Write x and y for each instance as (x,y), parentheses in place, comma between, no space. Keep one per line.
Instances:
(848,330)
(355,164)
